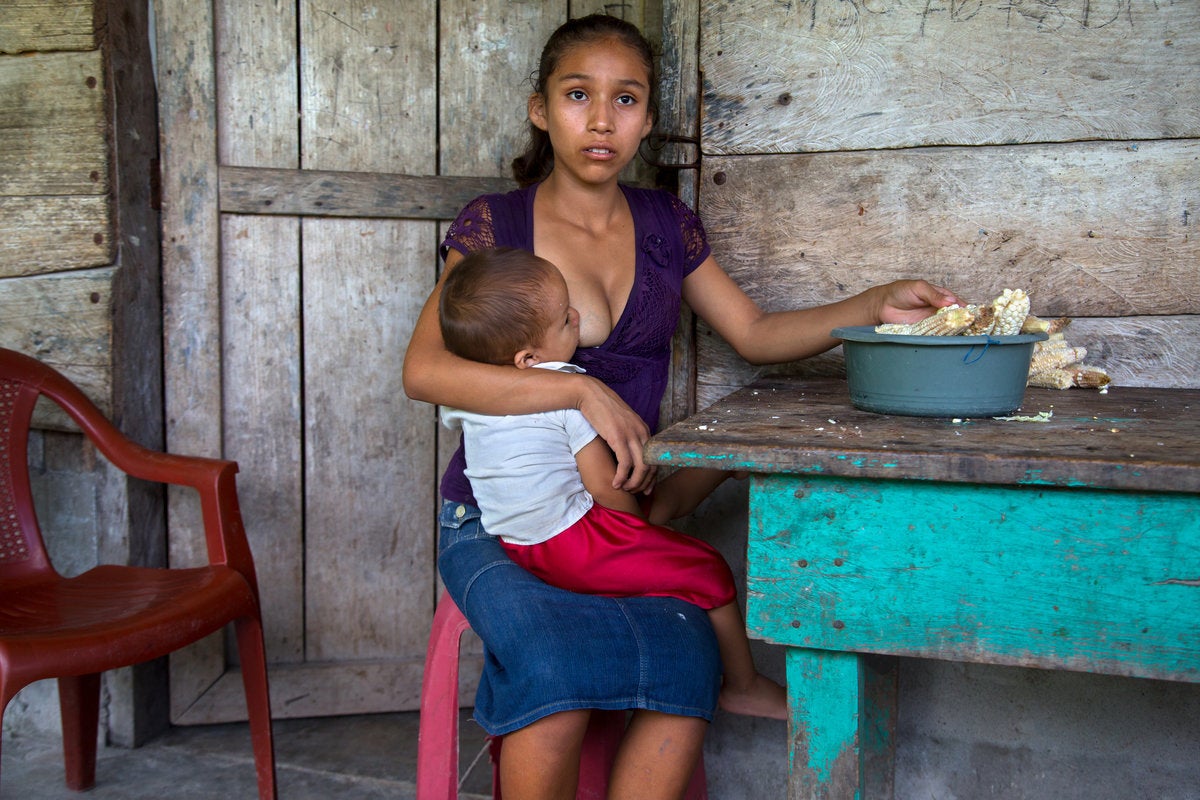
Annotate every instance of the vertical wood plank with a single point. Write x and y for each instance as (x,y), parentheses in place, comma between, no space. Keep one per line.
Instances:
(260,266)
(191,287)
(487,56)
(368,104)
(680,116)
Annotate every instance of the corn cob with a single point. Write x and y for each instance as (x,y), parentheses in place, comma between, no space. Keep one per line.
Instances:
(1034,324)
(985,318)
(1010,308)
(1081,375)
(1056,378)
(948,321)
(1089,377)
(894,327)
(1050,358)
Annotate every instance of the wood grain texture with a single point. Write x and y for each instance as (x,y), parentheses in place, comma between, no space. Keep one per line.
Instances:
(191,291)
(680,116)
(52,109)
(823,75)
(488,58)
(368,100)
(332,193)
(51,234)
(367,86)
(44,25)
(369,451)
(312,690)
(1050,219)
(64,320)
(260,320)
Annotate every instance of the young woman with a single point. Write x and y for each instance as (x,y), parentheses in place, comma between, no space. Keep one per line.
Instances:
(543,481)
(629,257)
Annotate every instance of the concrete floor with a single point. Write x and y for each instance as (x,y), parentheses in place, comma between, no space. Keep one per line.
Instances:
(355,758)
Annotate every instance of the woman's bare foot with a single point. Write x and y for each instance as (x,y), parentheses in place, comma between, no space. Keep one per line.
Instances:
(763,698)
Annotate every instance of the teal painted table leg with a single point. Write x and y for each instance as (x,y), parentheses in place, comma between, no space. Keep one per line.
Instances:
(842,725)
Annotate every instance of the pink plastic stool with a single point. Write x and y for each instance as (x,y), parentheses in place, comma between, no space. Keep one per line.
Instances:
(437,741)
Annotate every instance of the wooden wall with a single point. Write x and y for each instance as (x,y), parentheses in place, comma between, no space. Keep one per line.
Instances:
(982,145)
(56,226)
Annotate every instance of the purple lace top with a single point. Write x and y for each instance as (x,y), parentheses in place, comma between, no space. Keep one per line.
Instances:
(634,360)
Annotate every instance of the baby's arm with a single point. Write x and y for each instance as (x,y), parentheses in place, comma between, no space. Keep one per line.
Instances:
(678,494)
(597,467)
(675,497)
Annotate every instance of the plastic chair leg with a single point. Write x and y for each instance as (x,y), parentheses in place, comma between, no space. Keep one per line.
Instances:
(252,652)
(79,706)
(603,738)
(437,738)
(600,743)
(698,788)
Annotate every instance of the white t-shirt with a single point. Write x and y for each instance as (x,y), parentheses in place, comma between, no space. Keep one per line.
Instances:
(522,468)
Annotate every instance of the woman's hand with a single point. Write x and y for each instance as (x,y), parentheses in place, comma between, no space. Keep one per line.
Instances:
(625,433)
(911,301)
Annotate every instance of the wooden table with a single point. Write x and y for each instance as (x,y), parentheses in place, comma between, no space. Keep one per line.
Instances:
(1070,543)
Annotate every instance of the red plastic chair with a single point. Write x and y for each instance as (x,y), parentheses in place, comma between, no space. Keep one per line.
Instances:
(111,616)
(437,740)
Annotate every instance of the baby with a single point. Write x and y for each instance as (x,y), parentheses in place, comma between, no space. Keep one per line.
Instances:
(543,482)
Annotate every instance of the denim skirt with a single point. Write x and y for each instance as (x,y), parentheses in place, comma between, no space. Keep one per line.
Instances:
(548,650)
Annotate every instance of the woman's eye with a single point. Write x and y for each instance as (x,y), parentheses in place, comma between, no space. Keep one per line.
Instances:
(577,94)
(626,100)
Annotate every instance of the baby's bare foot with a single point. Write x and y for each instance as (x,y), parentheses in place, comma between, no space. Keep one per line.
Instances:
(763,698)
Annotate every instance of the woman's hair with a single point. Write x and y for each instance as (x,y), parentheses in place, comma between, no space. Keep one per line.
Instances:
(493,304)
(538,159)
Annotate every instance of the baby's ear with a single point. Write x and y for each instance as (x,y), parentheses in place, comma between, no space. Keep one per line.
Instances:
(525,359)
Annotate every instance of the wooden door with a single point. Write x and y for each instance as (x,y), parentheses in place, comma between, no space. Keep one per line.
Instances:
(311,154)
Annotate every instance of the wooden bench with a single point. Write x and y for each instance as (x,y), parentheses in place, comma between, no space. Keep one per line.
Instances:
(1069,539)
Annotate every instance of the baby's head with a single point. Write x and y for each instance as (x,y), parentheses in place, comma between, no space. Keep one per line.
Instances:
(507,306)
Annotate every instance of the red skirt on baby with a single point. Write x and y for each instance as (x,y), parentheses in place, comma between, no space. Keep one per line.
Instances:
(617,554)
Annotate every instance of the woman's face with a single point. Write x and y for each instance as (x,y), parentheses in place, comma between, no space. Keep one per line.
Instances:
(596,109)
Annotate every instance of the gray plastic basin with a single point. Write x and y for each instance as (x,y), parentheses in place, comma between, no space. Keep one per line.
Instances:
(936,376)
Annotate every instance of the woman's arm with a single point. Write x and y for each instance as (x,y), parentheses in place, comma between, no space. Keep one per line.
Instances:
(772,338)
(435,375)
